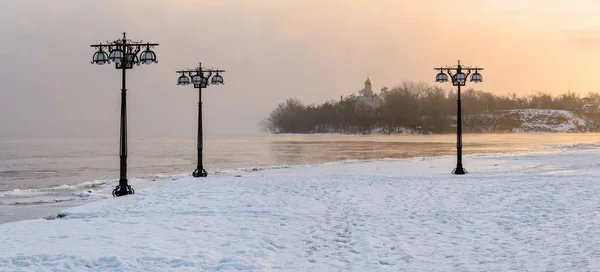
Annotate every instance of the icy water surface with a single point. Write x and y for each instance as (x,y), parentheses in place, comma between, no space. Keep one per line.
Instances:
(37,174)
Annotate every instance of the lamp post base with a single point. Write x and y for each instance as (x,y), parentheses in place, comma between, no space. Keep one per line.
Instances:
(123,190)
(459,170)
(200,174)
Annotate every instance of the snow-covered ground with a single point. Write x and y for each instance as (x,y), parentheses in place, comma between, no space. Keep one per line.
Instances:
(528,212)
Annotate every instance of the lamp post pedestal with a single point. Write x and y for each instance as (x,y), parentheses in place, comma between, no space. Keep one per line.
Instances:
(200,172)
(459,170)
(123,188)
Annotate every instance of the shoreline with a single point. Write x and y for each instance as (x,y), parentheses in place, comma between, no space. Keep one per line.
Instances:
(510,211)
(433,134)
(51,210)
(53,198)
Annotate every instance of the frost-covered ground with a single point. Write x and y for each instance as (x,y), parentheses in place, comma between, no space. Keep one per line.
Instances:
(533,212)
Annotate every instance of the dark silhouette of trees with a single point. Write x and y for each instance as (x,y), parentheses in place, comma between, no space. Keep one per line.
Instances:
(410,106)
(290,116)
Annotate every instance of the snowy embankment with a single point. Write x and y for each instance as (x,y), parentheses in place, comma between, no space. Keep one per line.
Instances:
(527,121)
(535,212)
(550,121)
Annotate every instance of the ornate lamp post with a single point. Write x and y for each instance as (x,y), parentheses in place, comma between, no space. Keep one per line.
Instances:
(124,54)
(459,78)
(200,78)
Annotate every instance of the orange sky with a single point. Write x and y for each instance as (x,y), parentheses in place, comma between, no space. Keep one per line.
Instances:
(314,50)
(525,46)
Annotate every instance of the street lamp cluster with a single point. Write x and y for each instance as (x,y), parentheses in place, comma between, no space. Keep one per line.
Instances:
(200,78)
(459,78)
(126,54)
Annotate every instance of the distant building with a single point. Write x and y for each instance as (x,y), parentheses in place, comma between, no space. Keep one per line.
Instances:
(369,100)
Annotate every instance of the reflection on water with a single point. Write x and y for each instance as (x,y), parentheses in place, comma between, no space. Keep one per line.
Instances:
(39,164)
(45,163)
(318,149)
(290,152)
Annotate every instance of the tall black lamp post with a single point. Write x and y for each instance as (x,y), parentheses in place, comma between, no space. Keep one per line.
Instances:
(459,78)
(200,79)
(124,54)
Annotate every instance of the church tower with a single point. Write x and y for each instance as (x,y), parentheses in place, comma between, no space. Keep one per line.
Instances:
(368,88)
(369,99)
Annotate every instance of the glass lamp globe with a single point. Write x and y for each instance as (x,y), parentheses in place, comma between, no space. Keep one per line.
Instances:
(204,82)
(147,57)
(197,79)
(116,55)
(476,77)
(441,77)
(217,80)
(460,78)
(183,80)
(100,58)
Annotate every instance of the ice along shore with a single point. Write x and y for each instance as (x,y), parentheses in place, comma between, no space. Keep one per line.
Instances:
(525,212)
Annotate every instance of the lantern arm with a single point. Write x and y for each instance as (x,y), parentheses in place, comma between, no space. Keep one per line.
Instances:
(100,47)
(215,70)
(136,50)
(450,74)
(149,46)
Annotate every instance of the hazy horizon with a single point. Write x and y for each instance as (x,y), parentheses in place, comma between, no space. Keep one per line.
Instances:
(272,50)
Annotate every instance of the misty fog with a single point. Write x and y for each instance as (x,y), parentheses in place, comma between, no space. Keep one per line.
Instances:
(271,50)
